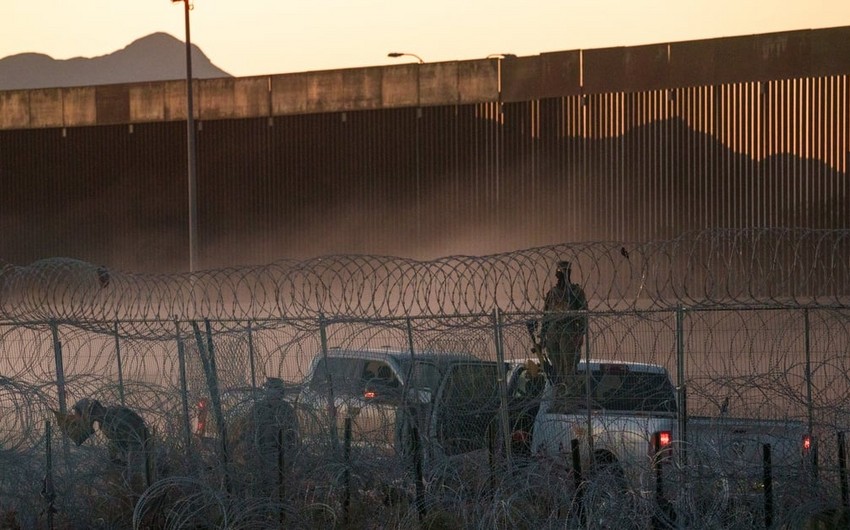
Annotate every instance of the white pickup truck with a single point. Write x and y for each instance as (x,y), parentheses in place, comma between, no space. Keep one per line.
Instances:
(628,416)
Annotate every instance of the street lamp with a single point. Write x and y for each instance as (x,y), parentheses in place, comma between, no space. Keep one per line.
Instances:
(418,117)
(190,137)
(403,54)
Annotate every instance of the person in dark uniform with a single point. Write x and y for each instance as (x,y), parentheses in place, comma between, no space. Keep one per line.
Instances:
(563,328)
(127,435)
(275,419)
(125,430)
(266,437)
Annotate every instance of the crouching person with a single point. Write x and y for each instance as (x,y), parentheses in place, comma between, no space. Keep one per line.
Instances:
(125,431)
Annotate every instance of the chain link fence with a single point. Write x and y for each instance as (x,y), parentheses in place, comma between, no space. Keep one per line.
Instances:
(359,391)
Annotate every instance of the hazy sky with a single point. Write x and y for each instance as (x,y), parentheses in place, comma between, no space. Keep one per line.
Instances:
(257,37)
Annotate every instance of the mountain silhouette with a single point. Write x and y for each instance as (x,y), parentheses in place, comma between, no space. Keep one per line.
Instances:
(157,57)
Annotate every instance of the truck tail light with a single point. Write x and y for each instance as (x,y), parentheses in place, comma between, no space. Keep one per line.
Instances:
(201,422)
(521,436)
(807,445)
(661,444)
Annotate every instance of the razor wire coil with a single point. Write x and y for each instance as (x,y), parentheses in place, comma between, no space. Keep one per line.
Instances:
(788,267)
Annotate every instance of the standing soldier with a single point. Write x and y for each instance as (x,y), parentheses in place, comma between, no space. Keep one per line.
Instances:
(265,438)
(563,327)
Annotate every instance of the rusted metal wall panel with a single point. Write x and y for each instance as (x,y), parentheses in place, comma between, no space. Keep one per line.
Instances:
(400,86)
(439,83)
(112,104)
(647,68)
(779,56)
(782,55)
(634,69)
(175,100)
(147,102)
(521,79)
(251,96)
(289,94)
(604,70)
(325,92)
(692,63)
(46,107)
(772,56)
(478,81)
(560,74)
(740,59)
(14,109)
(216,99)
(548,75)
(79,106)
(829,51)
(361,89)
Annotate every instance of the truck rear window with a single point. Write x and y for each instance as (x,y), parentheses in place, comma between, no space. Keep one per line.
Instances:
(632,391)
(472,382)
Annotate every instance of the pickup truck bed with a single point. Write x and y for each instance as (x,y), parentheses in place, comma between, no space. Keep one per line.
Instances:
(633,407)
(735,446)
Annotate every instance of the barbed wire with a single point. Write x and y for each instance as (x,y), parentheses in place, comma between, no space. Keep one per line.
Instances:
(712,267)
(765,336)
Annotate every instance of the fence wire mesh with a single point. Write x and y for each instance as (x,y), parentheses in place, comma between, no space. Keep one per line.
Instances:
(359,391)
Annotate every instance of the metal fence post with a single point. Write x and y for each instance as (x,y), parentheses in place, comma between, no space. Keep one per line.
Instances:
(503,388)
(184,388)
(767,480)
(120,366)
(842,472)
(578,479)
(411,379)
(809,384)
(48,490)
(682,385)
(60,385)
(60,367)
(588,390)
(809,399)
(323,338)
(251,355)
(412,349)
(207,354)
(416,451)
(346,500)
